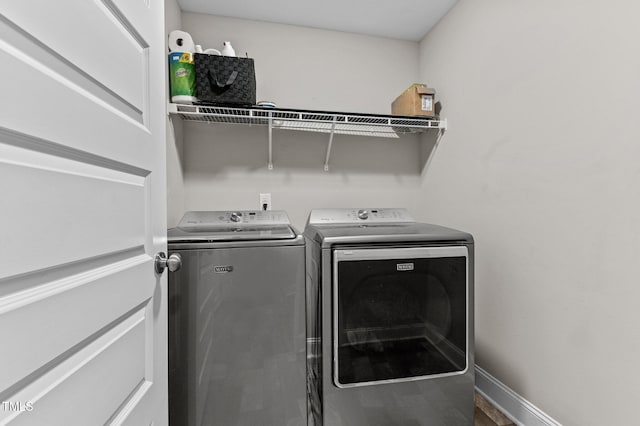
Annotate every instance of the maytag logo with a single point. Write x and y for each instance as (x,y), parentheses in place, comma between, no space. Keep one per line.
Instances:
(404,266)
(223,269)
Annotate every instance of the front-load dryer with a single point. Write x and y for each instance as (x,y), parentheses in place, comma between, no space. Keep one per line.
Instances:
(389,320)
(236,321)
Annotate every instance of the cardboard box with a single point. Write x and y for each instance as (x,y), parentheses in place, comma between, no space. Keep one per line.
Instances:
(417,100)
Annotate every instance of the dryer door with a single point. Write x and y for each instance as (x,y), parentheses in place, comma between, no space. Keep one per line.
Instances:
(399,314)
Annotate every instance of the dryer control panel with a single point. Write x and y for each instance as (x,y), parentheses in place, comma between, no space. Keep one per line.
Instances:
(359,215)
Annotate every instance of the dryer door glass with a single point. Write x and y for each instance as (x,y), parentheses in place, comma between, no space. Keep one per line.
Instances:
(399,314)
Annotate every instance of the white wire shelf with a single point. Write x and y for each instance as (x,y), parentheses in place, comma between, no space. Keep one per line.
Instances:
(385,126)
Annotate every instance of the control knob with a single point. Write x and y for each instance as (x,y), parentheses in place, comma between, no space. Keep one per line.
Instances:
(363,214)
(235,217)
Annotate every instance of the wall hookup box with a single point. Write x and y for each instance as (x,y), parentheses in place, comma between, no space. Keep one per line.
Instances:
(417,100)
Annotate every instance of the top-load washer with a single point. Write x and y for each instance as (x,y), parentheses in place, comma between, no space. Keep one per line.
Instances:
(389,320)
(236,320)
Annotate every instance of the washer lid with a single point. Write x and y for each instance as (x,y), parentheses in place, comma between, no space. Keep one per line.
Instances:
(201,226)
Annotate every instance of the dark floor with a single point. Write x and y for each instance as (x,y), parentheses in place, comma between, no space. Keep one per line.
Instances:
(488,415)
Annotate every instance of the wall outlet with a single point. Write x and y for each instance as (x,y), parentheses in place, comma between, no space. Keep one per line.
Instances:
(265,201)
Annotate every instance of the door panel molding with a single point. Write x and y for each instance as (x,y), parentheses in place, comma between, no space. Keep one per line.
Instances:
(89,369)
(43,146)
(54,107)
(96,37)
(20,283)
(126,24)
(130,411)
(90,194)
(61,315)
(24,42)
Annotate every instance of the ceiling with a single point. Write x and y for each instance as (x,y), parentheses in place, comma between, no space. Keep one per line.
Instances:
(399,19)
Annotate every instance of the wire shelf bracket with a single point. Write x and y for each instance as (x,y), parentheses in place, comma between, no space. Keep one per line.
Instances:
(270,164)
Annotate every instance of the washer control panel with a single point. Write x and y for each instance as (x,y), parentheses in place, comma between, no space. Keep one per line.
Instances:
(235,218)
(362,215)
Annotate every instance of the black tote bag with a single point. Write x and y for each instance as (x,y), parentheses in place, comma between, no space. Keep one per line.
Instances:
(224,80)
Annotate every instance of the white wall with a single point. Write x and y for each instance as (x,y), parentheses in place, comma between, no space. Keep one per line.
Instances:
(225,165)
(175,172)
(541,165)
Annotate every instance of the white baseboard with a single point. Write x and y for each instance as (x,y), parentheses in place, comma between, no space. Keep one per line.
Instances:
(518,409)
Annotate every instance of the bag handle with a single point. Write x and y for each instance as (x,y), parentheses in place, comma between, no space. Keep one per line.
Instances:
(229,82)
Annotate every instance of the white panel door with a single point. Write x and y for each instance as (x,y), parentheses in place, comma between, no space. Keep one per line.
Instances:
(82,212)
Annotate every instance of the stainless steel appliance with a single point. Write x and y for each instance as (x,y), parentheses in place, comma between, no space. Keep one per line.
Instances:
(236,321)
(389,320)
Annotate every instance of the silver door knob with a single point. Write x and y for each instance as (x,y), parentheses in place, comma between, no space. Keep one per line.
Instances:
(174,262)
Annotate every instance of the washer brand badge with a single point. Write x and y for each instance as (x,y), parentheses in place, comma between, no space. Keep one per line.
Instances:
(223,269)
(404,266)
